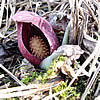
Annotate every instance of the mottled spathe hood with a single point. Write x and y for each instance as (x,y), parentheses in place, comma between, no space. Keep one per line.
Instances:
(30,24)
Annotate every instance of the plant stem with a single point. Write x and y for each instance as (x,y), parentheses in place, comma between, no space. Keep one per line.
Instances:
(49,60)
(65,38)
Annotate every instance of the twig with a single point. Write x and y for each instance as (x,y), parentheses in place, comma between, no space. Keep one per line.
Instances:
(20,3)
(8,17)
(11,75)
(30,2)
(19,88)
(97,90)
(25,90)
(49,6)
(77,15)
(93,66)
(10,34)
(18,94)
(5,86)
(91,12)
(2,10)
(90,83)
(99,15)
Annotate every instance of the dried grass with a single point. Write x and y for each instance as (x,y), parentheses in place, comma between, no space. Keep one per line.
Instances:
(83,9)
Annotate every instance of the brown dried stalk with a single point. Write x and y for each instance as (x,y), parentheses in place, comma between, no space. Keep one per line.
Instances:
(28,90)
(91,12)
(11,75)
(90,83)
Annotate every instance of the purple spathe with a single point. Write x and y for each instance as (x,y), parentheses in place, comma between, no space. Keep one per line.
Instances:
(29,23)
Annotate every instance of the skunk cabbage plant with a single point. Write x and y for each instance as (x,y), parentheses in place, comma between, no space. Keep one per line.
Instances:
(36,38)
